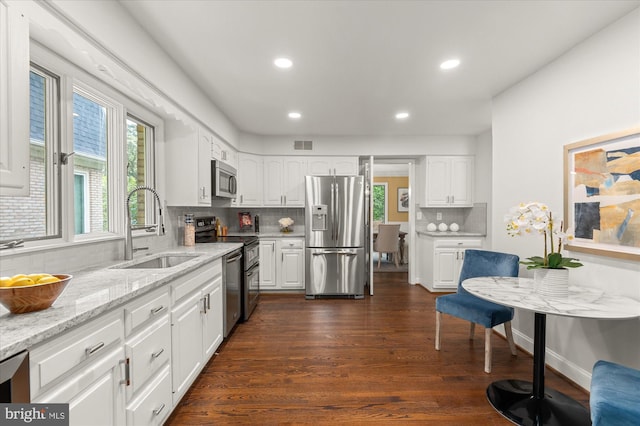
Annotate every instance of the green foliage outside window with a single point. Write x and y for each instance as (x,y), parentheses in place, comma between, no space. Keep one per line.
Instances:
(379,200)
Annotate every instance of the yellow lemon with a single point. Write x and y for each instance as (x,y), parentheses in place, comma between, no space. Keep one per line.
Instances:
(36,277)
(18,276)
(6,282)
(22,282)
(48,279)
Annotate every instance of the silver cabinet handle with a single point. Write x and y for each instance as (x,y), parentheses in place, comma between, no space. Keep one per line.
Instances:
(204,304)
(94,349)
(127,372)
(209,301)
(158,410)
(155,311)
(157,354)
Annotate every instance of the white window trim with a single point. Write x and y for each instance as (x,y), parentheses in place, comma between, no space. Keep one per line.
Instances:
(85,175)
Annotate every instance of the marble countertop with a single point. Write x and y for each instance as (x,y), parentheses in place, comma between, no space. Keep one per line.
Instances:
(95,291)
(581,302)
(449,234)
(269,234)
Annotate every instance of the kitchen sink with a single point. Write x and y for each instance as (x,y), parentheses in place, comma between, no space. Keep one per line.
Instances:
(159,262)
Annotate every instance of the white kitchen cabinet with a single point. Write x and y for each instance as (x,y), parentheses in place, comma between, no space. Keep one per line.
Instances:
(282,264)
(325,166)
(86,369)
(267,264)
(250,176)
(443,258)
(448,181)
(153,405)
(290,268)
(14,101)
(196,318)
(284,181)
(188,165)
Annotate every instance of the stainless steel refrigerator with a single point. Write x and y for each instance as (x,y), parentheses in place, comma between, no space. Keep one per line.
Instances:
(334,221)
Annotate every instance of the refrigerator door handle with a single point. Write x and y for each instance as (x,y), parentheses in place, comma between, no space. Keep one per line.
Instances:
(342,252)
(337,210)
(333,213)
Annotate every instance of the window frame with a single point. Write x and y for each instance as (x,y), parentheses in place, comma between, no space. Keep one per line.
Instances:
(70,77)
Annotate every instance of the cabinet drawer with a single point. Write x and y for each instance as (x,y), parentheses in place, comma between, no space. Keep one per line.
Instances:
(144,309)
(148,351)
(55,358)
(154,404)
(287,243)
(193,281)
(458,243)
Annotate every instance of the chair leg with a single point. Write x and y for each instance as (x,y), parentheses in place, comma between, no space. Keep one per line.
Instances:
(509,334)
(395,258)
(487,349)
(472,330)
(438,320)
(379,258)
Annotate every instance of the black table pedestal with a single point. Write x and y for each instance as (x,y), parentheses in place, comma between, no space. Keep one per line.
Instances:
(531,404)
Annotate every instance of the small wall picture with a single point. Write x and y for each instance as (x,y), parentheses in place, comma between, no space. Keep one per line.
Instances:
(245,221)
(403,199)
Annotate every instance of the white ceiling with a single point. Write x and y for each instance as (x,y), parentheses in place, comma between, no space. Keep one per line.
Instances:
(356,63)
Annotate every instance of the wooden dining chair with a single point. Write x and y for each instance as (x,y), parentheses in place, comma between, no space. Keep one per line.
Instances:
(387,242)
(464,305)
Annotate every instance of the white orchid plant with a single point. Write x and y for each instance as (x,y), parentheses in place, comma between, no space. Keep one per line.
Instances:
(536,218)
(285,223)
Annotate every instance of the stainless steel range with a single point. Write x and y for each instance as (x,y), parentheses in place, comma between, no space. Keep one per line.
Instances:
(250,283)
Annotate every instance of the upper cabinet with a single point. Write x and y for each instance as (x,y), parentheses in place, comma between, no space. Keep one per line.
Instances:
(188,165)
(324,166)
(14,102)
(284,181)
(447,181)
(250,177)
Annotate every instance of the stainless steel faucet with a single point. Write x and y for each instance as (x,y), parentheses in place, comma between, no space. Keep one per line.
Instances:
(158,227)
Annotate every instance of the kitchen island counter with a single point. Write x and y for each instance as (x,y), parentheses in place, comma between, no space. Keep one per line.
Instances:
(95,291)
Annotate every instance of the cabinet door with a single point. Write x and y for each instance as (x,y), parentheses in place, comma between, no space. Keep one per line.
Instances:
(295,169)
(249,180)
(291,269)
(186,344)
(273,182)
(95,395)
(446,268)
(346,166)
(438,185)
(320,166)
(267,264)
(462,181)
(205,141)
(213,319)
(14,102)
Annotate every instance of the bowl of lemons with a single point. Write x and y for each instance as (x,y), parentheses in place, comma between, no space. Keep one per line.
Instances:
(34,292)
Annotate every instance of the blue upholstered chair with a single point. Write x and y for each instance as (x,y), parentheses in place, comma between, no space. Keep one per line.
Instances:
(615,395)
(464,305)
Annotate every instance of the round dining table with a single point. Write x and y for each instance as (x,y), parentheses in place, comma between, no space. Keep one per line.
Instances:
(530,403)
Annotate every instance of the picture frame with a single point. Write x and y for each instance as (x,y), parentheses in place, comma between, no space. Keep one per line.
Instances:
(244,219)
(403,199)
(602,194)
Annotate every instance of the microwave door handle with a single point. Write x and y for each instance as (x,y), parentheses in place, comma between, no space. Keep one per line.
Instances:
(233,184)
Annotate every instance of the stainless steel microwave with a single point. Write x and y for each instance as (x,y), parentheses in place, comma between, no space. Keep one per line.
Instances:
(224,183)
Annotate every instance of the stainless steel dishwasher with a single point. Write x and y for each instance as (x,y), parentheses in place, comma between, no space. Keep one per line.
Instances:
(232,277)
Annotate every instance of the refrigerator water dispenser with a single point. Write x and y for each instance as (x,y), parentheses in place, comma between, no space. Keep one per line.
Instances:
(319,218)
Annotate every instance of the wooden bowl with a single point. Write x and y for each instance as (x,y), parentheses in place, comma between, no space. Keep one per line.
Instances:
(37,297)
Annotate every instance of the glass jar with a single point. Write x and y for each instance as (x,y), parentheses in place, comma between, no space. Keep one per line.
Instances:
(189,230)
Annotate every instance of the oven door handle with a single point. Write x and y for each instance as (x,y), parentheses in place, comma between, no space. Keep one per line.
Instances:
(252,271)
(235,258)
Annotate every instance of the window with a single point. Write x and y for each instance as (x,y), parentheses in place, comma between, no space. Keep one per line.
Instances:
(37,216)
(380,202)
(140,137)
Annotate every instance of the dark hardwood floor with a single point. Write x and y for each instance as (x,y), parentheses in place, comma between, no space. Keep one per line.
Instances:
(330,361)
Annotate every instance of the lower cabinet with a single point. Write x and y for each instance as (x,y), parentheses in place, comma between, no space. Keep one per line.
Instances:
(132,365)
(83,368)
(443,261)
(282,264)
(197,320)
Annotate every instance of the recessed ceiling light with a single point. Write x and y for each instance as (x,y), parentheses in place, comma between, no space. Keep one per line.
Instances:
(402,115)
(295,115)
(283,63)
(450,64)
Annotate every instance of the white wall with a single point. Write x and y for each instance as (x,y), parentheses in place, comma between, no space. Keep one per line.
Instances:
(592,90)
(484,176)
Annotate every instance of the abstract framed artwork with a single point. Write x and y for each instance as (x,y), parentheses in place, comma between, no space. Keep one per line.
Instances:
(602,194)
(403,199)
